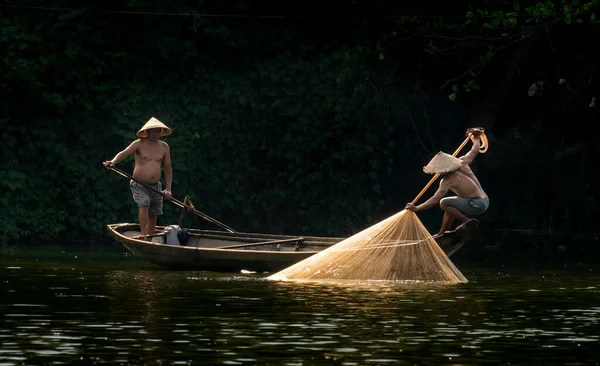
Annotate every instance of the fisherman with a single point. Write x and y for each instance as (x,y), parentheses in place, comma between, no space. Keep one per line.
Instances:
(470,200)
(150,153)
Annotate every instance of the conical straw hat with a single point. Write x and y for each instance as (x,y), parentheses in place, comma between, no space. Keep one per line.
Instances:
(442,163)
(154,123)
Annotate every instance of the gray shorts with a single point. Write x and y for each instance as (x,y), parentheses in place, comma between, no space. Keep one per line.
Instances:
(468,206)
(144,196)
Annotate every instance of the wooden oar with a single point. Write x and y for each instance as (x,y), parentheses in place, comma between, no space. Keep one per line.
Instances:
(176,202)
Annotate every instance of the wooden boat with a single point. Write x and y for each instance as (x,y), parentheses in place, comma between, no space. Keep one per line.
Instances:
(222,251)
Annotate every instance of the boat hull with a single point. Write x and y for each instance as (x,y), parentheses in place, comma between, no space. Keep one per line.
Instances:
(221,251)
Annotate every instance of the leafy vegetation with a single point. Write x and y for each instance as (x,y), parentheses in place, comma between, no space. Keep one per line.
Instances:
(286,139)
(288,125)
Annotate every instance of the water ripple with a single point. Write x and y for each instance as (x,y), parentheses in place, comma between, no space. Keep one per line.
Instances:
(150,317)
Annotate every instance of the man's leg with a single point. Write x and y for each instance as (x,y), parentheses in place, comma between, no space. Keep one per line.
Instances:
(151,226)
(450,213)
(143,218)
(446,222)
(156,203)
(456,213)
(142,199)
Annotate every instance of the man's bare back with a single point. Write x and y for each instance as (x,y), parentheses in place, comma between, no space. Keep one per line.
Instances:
(149,157)
(463,183)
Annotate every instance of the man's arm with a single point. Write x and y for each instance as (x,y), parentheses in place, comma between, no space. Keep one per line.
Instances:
(435,199)
(470,156)
(168,172)
(132,148)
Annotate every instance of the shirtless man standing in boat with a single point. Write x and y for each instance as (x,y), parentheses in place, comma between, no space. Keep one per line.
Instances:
(150,153)
(470,199)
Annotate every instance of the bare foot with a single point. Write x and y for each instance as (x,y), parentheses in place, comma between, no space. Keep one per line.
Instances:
(437,235)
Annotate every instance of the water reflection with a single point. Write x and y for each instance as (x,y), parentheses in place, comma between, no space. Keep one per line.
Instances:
(112,315)
(395,318)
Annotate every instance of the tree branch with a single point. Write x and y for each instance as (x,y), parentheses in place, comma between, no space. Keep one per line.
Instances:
(415,128)
(483,63)
(427,125)
(461,76)
(386,83)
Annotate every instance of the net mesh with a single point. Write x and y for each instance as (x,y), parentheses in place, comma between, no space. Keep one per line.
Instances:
(398,248)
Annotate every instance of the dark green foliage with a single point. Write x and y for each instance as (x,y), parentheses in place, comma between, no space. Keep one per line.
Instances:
(293,125)
(271,131)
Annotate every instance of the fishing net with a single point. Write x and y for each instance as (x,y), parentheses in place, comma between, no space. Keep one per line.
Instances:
(398,248)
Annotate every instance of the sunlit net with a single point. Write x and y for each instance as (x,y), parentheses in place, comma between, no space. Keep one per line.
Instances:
(398,248)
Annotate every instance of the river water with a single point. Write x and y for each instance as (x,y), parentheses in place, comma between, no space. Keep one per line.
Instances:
(99,306)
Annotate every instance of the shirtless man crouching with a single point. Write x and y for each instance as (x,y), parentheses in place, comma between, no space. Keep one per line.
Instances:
(470,199)
(150,153)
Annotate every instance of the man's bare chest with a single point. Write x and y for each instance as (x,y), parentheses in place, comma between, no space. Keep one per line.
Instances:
(150,154)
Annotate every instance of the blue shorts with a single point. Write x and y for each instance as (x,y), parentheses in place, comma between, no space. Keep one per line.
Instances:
(145,196)
(468,206)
